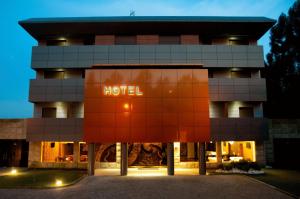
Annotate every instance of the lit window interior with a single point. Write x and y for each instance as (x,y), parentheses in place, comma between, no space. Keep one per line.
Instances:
(57,151)
(235,151)
(83,152)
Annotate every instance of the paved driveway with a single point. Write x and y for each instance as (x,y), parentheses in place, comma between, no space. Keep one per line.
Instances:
(215,186)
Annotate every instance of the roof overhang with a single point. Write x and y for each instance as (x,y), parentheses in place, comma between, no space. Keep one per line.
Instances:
(252,27)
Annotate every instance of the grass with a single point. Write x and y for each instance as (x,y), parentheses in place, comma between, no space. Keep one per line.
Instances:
(287,180)
(38,178)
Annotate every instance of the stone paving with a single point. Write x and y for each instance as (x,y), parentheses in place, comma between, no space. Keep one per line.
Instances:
(213,186)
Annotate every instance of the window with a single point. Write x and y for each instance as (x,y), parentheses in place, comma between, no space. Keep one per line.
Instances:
(206,41)
(49,112)
(188,152)
(73,74)
(239,42)
(57,151)
(83,152)
(218,109)
(246,112)
(53,74)
(234,151)
(56,42)
(240,74)
(125,40)
(169,39)
(211,155)
(89,41)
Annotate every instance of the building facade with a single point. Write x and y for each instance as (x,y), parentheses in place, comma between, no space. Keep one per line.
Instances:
(146,91)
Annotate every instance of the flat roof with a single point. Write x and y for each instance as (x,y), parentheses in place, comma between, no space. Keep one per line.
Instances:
(216,26)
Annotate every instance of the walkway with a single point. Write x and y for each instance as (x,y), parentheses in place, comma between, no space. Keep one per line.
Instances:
(214,186)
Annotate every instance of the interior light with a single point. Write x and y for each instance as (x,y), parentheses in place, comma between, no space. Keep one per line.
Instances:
(14,171)
(231,142)
(58,183)
(126,106)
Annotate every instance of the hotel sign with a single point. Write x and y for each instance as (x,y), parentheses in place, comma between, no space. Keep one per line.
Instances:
(123,90)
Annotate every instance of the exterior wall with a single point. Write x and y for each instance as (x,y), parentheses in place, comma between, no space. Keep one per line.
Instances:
(13,129)
(280,128)
(222,56)
(189,39)
(104,40)
(147,39)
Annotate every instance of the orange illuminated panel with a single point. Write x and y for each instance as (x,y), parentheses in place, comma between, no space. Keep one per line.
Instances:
(146,105)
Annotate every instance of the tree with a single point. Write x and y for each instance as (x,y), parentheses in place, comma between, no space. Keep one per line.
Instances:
(283,66)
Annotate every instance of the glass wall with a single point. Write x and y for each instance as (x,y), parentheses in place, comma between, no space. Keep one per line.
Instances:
(236,150)
(83,147)
(57,151)
(230,151)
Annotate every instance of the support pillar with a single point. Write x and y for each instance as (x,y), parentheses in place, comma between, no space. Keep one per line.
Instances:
(124,158)
(219,152)
(170,158)
(91,159)
(202,158)
(76,154)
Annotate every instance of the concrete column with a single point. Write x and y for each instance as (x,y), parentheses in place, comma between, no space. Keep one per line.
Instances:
(258,150)
(124,158)
(202,158)
(91,159)
(170,158)
(76,154)
(219,152)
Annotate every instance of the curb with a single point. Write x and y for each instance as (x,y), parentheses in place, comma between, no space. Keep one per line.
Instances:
(273,187)
(47,187)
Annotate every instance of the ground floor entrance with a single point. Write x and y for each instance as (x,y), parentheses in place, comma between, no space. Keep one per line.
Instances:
(141,157)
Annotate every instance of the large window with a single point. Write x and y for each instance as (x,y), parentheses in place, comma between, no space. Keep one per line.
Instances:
(57,151)
(238,42)
(66,74)
(83,152)
(53,74)
(240,74)
(246,112)
(188,152)
(237,150)
(56,42)
(49,112)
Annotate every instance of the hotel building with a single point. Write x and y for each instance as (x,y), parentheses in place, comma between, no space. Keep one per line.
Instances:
(119,92)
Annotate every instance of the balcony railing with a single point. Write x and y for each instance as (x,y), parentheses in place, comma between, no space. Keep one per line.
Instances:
(54,129)
(53,90)
(239,128)
(223,56)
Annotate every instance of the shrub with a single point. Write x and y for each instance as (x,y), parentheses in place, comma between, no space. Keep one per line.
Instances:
(227,166)
(254,166)
(242,165)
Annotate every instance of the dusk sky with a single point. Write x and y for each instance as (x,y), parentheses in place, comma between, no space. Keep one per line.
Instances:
(15,49)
